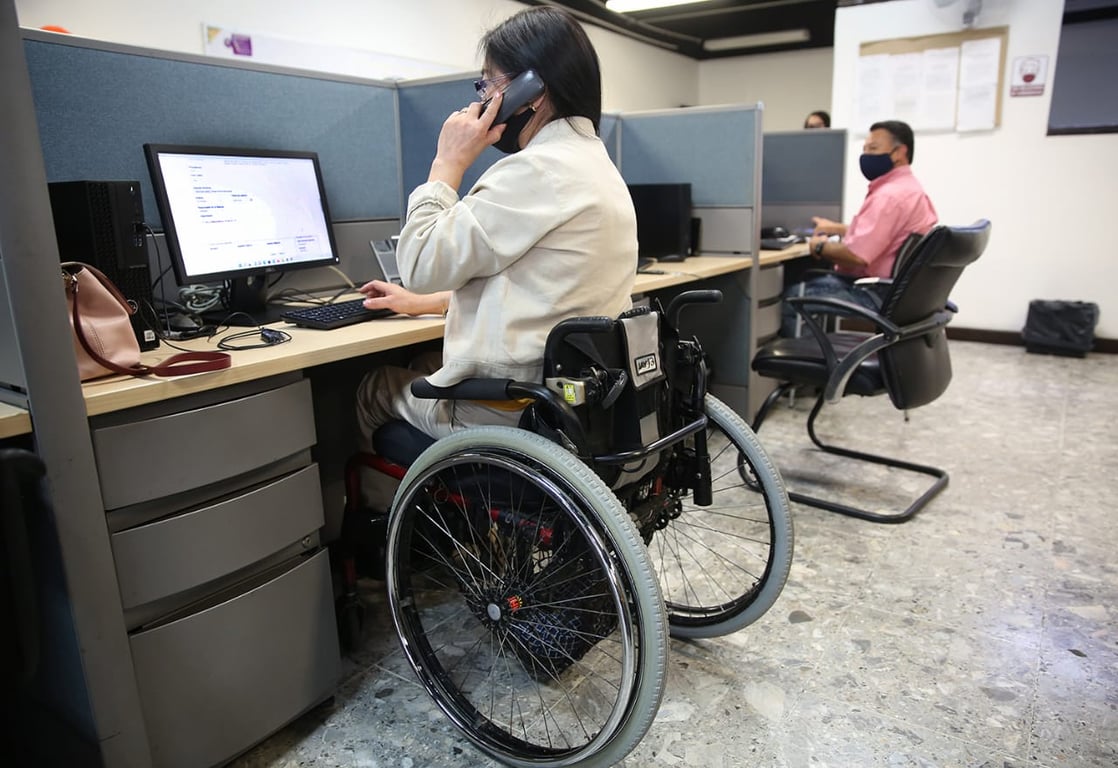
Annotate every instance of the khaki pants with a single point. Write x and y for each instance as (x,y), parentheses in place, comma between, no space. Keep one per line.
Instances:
(385,395)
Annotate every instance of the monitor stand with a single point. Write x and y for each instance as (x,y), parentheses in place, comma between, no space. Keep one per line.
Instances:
(247,306)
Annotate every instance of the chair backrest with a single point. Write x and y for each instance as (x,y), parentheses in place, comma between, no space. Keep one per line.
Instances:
(917,371)
(908,247)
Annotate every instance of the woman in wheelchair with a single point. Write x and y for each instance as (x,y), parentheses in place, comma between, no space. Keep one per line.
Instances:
(569,494)
(546,233)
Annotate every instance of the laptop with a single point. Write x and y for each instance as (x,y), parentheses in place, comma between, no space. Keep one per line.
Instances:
(385,252)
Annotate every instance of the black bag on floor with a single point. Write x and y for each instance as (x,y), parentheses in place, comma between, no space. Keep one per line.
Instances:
(1061,327)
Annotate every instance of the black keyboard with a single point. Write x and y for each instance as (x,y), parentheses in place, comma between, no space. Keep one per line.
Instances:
(328,316)
(779,243)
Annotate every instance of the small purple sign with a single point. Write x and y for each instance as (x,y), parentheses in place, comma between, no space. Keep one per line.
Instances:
(241,44)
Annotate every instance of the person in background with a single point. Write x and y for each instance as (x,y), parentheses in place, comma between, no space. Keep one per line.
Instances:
(547,233)
(895,207)
(817,119)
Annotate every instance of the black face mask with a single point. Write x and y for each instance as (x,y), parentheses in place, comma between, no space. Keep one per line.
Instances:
(510,139)
(875,166)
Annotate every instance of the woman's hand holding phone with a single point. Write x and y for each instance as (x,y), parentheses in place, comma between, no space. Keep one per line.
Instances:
(464,136)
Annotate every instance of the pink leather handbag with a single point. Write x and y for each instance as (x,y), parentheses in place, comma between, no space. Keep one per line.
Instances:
(104,341)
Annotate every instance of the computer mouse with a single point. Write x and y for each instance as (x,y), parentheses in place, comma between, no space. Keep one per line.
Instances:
(774,233)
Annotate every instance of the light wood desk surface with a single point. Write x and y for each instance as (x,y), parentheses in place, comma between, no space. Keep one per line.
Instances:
(310,347)
(13,421)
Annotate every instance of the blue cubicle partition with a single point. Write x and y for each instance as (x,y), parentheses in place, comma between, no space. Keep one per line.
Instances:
(98,103)
(610,130)
(424,107)
(716,150)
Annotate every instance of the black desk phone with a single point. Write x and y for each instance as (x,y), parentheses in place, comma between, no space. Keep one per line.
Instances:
(524,87)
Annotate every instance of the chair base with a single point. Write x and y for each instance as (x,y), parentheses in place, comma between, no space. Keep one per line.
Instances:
(940,475)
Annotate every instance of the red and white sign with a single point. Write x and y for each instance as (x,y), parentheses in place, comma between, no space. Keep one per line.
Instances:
(1029,74)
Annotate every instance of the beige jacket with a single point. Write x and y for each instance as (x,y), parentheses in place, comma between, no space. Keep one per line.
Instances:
(546,234)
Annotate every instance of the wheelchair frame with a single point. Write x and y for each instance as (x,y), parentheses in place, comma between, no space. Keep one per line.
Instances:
(480,588)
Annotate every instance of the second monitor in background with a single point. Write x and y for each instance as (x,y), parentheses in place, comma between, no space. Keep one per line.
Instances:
(664,227)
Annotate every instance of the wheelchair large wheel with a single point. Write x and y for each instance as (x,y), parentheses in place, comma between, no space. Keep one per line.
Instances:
(525,601)
(722,566)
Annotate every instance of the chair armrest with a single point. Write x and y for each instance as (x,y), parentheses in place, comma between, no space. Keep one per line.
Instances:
(802,306)
(470,389)
(507,389)
(874,281)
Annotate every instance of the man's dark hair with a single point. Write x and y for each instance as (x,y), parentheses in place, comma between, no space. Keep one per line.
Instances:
(901,133)
(550,41)
(824,116)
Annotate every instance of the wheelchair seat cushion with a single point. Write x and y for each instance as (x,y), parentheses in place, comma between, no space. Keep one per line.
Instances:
(400,442)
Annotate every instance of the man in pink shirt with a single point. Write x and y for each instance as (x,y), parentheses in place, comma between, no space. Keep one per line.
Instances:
(895,207)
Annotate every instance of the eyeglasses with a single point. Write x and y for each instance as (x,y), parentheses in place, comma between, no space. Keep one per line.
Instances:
(482,86)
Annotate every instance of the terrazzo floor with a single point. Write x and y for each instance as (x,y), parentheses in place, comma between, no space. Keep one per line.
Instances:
(984,632)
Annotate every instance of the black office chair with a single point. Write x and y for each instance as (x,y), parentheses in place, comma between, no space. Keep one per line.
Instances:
(906,356)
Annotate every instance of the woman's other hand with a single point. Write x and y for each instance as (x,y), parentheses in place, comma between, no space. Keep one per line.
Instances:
(383,295)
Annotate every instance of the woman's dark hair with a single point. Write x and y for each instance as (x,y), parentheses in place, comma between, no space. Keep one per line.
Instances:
(901,133)
(826,118)
(550,41)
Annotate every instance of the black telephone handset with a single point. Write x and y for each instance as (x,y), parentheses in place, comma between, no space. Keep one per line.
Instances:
(525,87)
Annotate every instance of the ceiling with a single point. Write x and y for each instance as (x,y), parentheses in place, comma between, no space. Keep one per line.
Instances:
(700,30)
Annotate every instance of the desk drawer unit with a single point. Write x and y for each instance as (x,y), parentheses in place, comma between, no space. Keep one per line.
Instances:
(186,550)
(770,284)
(215,682)
(768,288)
(151,458)
(215,507)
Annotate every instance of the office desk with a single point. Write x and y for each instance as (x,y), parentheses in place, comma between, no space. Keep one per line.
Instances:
(310,347)
(13,421)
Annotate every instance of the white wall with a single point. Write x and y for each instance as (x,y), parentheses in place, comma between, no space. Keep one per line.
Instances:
(790,84)
(635,76)
(1051,199)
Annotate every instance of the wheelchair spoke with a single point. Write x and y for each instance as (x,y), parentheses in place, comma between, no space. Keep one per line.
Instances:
(722,565)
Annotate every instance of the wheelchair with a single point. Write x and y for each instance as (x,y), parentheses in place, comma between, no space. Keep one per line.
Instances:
(534,574)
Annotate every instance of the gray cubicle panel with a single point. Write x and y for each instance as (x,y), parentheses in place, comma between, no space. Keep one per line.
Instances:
(98,103)
(716,150)
(424,107)
(802,176)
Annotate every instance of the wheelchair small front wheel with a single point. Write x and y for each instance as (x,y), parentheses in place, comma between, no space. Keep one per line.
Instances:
(723,565)
(524,600)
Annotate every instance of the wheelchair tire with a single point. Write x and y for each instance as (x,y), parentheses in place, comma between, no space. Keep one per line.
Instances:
(524,600)
(723,566)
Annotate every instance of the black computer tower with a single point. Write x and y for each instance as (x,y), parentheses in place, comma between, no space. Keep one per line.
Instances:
(102,224)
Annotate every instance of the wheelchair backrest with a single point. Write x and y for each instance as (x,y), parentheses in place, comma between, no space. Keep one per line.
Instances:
(615,380)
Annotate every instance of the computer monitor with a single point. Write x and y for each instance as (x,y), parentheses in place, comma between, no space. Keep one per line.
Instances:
(663,220)
(238,215)
(802,175)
